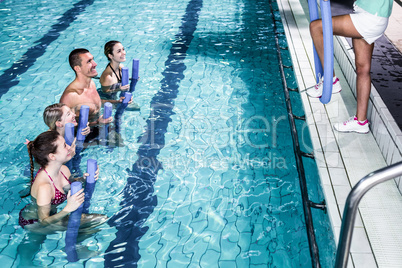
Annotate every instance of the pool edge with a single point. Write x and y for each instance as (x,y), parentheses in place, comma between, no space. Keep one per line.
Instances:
(333,159)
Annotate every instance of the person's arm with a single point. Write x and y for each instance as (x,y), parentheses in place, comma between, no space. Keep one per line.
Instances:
(108,82)
(44,205)
(85,176)
(114,101)
(101,121)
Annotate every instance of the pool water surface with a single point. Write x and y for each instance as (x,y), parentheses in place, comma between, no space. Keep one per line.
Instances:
(207,173)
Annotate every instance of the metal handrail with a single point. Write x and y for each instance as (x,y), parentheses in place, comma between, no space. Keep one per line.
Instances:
(352,203)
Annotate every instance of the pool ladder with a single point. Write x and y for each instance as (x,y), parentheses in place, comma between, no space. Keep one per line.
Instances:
(307,204)
(352,203)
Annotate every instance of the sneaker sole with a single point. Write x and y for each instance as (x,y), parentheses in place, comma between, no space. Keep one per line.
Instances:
(351,131)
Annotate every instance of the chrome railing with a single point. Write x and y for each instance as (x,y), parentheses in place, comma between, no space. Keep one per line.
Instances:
(352,203)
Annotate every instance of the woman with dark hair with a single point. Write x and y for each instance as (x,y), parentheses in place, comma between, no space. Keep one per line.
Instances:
(50,187)
(111,76)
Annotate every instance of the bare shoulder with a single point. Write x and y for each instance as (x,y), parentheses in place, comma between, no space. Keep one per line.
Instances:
(65,171)
(106,78)
(41,188)
(69,95)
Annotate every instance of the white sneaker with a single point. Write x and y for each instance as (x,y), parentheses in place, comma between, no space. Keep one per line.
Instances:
(353,125)
(316,91)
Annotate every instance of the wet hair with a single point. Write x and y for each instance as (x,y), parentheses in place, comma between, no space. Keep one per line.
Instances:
(74,57)
(41,147)
(52,114)
(108,49)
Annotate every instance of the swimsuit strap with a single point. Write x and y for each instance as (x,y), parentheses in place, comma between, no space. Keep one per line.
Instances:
(118,78)
(59,197)
(65,176)
(50,177)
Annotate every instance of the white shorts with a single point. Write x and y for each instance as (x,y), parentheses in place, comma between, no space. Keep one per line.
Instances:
(369,26)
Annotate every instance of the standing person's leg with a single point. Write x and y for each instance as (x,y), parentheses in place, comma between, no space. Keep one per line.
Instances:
(363,54)
(359,123)
(342,26)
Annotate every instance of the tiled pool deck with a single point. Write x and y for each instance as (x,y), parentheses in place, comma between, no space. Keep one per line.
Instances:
(344,159)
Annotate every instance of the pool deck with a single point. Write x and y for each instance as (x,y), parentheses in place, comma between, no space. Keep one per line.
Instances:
(345,158)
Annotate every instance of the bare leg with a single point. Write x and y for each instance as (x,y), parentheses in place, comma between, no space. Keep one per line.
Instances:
(341,25)
(363,53)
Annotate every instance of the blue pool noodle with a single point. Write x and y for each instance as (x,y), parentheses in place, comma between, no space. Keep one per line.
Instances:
(328,51)
(73,225)
(69,137)
(313,10)
(127,97)
(104,129)
(69,133)
(134,75)
(107,110)
(136,67)
(120,110)
(92,166)
(84,112)
(133,83)
(124,76)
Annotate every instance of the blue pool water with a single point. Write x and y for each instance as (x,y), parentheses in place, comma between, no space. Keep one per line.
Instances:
(207,176)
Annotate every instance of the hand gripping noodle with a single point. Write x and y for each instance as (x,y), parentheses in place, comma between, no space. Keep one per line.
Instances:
(107,110)
(127,97)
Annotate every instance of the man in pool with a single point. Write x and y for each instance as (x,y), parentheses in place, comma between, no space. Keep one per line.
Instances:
(82,91)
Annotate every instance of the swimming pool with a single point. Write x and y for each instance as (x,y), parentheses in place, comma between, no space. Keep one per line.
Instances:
(207,175)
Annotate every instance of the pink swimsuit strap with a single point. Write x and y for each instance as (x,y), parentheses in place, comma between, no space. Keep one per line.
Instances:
(59,197)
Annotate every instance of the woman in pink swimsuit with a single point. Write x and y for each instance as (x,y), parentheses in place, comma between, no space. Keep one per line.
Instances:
(50,187)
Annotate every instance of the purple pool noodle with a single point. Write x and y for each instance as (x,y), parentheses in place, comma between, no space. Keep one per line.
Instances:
(92,166)
(73,225)
(124,76)
(84,112)
(107,110)
(127,96)
(69,133)
(136,67)
(75,187)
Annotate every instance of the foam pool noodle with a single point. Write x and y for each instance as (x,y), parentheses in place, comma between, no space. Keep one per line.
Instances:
(136,67)
(127,97)
(84,112)
(92,166)
(69,133)
(104,130)
(328,51)
(124,76)
(73,225)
